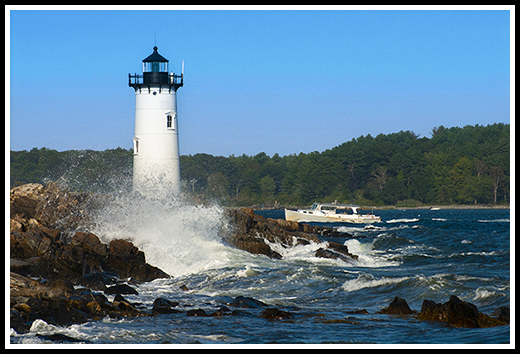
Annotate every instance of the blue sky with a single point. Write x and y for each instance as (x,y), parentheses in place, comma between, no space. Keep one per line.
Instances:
(268,81)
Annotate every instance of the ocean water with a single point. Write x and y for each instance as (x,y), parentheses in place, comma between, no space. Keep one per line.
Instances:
(413,254)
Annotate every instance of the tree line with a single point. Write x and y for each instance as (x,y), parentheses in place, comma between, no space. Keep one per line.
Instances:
(468,165)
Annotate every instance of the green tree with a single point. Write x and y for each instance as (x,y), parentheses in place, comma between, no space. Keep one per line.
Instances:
(268,185)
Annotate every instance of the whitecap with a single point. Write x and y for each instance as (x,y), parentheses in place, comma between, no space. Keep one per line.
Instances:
(247,272)
(402,220)
(495,220)
(369,281)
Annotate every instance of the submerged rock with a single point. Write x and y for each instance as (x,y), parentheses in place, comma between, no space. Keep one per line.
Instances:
(247,302)
(275,314)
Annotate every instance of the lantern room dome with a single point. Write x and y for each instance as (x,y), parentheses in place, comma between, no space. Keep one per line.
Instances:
(155,56)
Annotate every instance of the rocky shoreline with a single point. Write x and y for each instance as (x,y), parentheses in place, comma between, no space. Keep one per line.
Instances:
(63,276)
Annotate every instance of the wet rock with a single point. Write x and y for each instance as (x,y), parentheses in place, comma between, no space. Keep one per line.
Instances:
(121,289)
(457,313)
(336,253)
(222,311)
(59,338)
(398,306)
(358,312)
(247,302)
(276,314)
(59,304)
(129,261)
(36,212)
(44,243)
(163,306)
(502,314)
(253,233)
(196,313)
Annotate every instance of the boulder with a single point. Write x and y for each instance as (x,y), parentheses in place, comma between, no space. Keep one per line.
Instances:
(398,306)
(121,289)
(273,313)
(196,313)
(247,302)
(163,306)
(253,233)
(459,313)
(502,314)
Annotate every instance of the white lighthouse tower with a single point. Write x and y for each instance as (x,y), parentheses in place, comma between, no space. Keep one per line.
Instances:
(156,139)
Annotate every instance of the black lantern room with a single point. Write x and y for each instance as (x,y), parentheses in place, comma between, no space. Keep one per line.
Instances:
(155,73)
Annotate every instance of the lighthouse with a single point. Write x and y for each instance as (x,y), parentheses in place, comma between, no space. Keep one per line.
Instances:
(156,170)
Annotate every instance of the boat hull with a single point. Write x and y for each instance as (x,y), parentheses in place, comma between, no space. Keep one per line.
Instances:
(338,218)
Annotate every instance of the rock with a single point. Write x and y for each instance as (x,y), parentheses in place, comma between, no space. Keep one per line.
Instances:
(457,313)
(58,303)
(163,306)
(358,312)
(276,314)
(59,338)
(502,314)
(121,289)
(253,233)
(461,313)
(129,261)
(247,302)
(397,307)
(196,313)
(44,243)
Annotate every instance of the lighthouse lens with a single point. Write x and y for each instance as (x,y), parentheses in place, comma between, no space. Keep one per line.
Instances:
(155,66)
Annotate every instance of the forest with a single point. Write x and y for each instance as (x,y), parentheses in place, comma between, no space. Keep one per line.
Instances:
(468,165)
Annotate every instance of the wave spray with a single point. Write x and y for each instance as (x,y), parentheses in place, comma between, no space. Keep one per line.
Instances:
(176,235)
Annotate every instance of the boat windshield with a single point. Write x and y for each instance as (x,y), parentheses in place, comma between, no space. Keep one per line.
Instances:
(314,206)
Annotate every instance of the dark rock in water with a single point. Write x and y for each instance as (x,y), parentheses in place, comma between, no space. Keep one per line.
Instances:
(222,311)
(247,302)
(121,289)
(334,254)
(196,313)
(253,233)
(461,313)
(59,338)
(397,307)
(99,281)
(276,314)
(502,314)
(458,313)
(129,261)
(358,312)
(455,312)
(163,306)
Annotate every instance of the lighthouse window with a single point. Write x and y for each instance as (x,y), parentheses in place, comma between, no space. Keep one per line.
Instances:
(136,146)
(169,122)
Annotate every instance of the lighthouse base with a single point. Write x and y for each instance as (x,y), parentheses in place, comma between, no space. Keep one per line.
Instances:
(157,178)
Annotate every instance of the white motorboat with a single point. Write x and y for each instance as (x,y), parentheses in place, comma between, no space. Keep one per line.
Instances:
(329,212)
